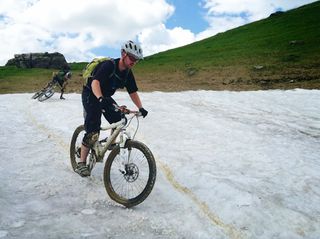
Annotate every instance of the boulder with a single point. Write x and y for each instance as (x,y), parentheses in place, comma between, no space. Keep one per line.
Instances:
(39,60)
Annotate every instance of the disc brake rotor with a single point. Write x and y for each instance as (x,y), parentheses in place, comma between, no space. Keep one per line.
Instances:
(131,172)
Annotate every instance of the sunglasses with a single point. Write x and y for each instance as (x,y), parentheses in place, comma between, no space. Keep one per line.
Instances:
(132,58)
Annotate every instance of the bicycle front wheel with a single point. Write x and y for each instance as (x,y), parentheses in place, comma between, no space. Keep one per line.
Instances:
(36,95)
(46,94)
(130,173)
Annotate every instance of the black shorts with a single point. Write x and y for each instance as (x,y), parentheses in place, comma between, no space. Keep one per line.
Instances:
(92,112)
(58,80)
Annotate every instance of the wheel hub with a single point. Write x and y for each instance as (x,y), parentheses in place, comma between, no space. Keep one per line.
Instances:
(132,172)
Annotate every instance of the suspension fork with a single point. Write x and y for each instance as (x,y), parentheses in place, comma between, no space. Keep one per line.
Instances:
(124,138)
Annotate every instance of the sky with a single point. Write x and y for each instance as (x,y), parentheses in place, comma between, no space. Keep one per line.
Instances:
(82,29)
(230,165)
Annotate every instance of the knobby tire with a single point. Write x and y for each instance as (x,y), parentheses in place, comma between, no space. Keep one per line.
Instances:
(36,95)
(46,94)
(73,146)
(145,154)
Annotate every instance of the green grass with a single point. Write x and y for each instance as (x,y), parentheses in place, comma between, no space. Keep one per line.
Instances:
(77,66)
(17,80)
(13,79)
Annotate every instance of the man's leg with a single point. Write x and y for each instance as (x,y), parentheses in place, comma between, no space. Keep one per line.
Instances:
(82,168)
(88,141)
(61,96)
(92,122)
(84,153)
(62,87)
(112,117)
(92,128)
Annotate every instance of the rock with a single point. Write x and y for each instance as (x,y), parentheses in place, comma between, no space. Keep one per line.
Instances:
(296,42)
(39,60)
(191,71)
(258,67)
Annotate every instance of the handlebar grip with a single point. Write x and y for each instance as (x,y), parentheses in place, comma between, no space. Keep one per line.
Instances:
(126,111)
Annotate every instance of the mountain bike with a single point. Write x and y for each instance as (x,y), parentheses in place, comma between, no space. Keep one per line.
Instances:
(130,168)
(46,92)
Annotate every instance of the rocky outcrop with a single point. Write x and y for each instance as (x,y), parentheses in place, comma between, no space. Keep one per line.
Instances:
(38,60)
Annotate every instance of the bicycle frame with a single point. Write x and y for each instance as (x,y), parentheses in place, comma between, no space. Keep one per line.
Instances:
(47,91)
(118,128)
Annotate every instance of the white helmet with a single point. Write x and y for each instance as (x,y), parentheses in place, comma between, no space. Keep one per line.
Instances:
(68,74)
(133,49)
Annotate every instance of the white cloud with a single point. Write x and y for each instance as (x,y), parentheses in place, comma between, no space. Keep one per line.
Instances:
(159,38)
(74,27)
(223,15)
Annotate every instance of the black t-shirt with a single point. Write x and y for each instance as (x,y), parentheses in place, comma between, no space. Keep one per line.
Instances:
(111,78)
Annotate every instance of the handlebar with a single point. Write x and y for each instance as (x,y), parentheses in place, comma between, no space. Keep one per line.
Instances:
(123,109)
(125,122)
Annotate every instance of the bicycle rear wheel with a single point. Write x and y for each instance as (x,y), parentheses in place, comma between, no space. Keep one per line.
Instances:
(130,173)
(75,146)
(46,94)
(75,150)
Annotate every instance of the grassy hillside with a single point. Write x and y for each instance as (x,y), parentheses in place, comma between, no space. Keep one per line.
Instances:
(286,46)
(17,80)
(281,51)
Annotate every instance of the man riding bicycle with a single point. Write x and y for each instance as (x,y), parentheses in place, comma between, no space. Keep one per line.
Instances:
(62,78)
(107,77)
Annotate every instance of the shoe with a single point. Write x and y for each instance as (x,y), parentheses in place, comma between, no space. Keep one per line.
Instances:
(82,169)
(62,98)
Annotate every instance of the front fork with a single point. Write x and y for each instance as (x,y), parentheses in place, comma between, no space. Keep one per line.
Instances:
(124,137)
(125,151)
